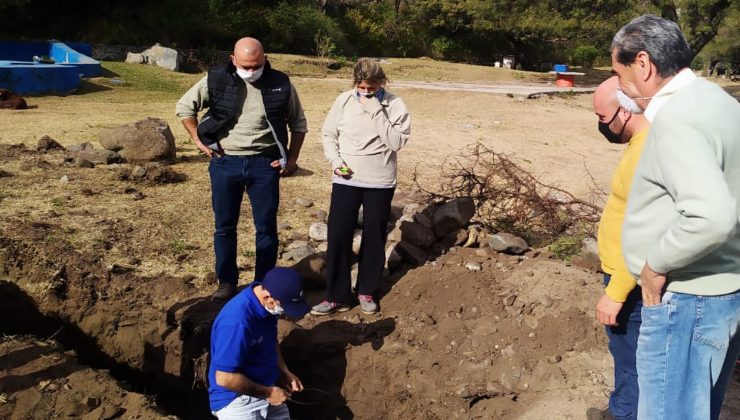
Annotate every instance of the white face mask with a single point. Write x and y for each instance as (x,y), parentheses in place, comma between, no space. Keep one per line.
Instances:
(277,310)
(250,75)
(628,103)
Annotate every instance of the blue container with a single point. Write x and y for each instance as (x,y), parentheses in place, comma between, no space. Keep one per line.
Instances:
(560,68)
(21,72)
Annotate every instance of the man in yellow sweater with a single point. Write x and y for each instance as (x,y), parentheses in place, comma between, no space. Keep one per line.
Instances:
(620,121)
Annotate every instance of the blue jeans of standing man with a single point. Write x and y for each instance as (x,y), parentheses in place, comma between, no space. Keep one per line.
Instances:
(230,177)
(623,347)
(687,349)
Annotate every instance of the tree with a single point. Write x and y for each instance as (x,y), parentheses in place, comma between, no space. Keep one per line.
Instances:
(699,20)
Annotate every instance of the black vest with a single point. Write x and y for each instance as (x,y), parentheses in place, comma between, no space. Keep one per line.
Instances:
(227,92)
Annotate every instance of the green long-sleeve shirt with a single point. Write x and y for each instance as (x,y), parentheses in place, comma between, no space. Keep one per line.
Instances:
(683,214)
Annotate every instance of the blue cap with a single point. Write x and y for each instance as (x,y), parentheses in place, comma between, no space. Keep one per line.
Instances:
(285,285)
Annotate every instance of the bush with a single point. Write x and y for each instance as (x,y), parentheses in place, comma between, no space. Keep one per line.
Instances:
(291,25)
(443,47)
(585,55)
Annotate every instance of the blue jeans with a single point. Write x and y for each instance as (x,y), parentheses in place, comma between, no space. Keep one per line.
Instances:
(685,355)
(623,347)
(230,177)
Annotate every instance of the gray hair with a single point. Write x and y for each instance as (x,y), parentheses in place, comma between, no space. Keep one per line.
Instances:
(660,38)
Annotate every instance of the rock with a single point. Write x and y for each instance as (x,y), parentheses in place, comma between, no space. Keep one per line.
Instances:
(322,247)
(83,163)
(138,172)
(318,231)
(438,248)
(455,238)
(393,258)
(319,215)
(395,234)
(590,251)
(554,359)
(298,251)
(508,243)
(298,236)
(417,234)
(546,301)
(77,147)
(411,209)
(135,58)
(473,266)
(148,140)
(303,202)
(509,300)
(164,57)
(98,157)
(453,215)
(531,322)
(296,245)
(357,242)
(47,143)
(423,220)
(64,179)
(582,262)
(411,253)
(312,269)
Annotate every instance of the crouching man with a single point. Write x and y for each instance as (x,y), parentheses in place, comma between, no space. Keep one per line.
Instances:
(247,375)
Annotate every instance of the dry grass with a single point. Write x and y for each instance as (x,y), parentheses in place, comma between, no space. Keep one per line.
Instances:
(170,230)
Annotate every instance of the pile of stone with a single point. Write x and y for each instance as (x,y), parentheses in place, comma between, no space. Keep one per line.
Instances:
(418,233)
(148,140)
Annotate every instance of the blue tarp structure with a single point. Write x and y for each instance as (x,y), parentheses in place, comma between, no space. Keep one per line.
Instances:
(20,74)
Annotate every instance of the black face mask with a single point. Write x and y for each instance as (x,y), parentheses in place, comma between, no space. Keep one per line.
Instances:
(607,132)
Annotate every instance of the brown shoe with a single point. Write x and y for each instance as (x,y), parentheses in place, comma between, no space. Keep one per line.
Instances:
(225,291)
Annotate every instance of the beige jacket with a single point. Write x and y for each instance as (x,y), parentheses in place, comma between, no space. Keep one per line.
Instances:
(366,138)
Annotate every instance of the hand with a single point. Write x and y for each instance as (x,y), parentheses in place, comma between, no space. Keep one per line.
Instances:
(205,149)
(607,310)
(277,395)
(652,286)
(290,167)
(291,382)
(344,171)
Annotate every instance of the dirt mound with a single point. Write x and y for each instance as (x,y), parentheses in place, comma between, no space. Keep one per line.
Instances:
(40,380)
(453,342)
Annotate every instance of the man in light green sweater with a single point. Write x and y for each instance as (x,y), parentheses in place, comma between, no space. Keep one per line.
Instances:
(681,232)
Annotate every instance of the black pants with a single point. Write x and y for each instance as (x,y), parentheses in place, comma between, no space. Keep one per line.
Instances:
(376,209)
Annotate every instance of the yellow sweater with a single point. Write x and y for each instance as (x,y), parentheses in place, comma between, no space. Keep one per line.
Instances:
(610,227)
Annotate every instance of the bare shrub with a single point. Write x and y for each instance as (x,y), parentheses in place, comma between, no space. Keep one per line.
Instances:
(509,198)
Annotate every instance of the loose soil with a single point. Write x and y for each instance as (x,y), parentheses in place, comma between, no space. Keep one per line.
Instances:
(119,271)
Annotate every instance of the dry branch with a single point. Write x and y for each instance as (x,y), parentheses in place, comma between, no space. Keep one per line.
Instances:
(509,198)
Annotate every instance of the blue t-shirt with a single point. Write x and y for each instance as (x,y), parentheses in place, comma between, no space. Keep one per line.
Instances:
(243,340)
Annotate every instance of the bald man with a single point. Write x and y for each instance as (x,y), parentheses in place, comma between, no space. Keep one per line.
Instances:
(620,121)
(245,135)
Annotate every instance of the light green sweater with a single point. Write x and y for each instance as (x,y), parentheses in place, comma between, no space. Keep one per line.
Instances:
(683,210)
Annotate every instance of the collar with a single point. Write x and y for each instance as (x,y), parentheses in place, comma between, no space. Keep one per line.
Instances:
(682,79)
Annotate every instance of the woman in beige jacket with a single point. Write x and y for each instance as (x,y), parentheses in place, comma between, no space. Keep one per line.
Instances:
(365,128)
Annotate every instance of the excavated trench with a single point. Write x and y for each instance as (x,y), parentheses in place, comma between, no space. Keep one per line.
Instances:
(151,333)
